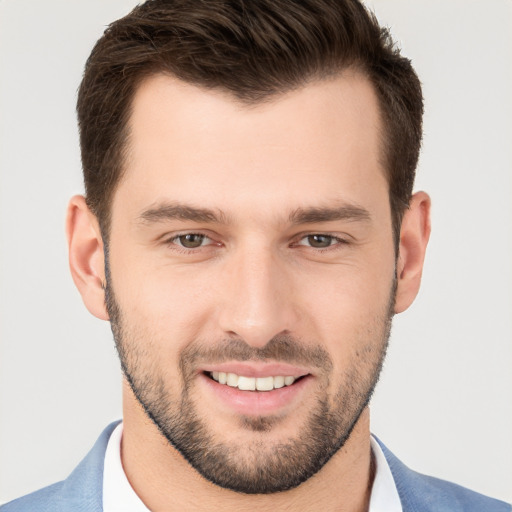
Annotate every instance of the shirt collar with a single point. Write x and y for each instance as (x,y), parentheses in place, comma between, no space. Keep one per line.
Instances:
(384,496)
(118,494)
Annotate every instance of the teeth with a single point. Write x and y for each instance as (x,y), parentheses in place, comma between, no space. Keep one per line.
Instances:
(252,383)
(247,383)
(278,382)
(232,380)
(265,383)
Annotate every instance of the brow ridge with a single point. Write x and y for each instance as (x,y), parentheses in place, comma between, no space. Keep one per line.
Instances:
(313,215)
(177,211)
(309,215)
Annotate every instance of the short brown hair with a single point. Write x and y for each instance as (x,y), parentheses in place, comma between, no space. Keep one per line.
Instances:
(253,49)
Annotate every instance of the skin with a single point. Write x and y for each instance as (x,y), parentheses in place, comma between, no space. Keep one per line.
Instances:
(256,276)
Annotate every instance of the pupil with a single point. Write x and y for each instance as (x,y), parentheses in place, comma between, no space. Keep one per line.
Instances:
(191,241)
(319,240)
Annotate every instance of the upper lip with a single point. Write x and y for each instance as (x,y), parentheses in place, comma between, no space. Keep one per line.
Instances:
(257,369)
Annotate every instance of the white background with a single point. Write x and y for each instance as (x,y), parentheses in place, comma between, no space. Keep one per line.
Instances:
(444,404)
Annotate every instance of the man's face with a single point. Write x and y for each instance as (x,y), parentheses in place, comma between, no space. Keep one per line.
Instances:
(253,244)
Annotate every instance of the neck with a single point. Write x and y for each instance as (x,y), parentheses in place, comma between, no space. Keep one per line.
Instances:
(166,482)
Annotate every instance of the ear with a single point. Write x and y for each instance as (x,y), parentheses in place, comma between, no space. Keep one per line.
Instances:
(414,235)
(86,257)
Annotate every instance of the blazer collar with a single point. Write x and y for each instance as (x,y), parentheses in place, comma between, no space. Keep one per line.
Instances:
(83,489)
(422,493)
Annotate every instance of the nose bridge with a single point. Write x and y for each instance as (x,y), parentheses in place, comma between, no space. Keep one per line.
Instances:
(258,303)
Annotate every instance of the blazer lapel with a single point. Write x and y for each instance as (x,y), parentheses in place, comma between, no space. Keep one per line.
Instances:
(422,493)
(83,489)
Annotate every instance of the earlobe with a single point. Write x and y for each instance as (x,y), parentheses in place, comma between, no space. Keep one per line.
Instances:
(86,257)
(414,235)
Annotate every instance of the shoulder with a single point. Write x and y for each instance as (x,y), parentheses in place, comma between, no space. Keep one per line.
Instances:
(424,493)
(82,490)
(42,500)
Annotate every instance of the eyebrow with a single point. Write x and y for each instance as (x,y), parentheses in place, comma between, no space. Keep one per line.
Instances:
(173,211)
(327,214)
(176,211)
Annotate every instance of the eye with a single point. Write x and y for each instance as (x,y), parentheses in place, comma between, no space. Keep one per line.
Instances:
(191,240)
(319,241)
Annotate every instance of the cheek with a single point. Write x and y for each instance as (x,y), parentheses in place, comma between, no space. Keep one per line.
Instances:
(348,312)
(348,293)
(170,305)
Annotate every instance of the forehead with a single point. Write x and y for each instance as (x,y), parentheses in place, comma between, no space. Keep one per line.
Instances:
(201,145)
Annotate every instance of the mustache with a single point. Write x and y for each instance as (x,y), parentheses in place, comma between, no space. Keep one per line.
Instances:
(281,348)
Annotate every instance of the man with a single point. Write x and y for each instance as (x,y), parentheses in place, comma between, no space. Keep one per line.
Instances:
(249,230)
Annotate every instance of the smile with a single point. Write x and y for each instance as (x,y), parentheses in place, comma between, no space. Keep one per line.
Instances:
(244,383)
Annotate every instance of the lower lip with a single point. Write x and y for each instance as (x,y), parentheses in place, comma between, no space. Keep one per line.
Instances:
(256,403)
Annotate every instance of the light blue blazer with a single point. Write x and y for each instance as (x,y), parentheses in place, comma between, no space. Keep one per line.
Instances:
(82,490)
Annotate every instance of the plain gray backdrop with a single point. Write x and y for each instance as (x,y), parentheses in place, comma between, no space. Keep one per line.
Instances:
(444,403)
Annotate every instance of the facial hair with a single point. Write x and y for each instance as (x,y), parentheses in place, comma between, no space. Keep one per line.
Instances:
(255,466)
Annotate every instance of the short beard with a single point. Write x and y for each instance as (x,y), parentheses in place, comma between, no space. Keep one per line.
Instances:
(256,467)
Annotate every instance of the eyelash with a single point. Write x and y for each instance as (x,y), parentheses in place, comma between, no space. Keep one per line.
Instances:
(172,242)
(338,242)
(337,245)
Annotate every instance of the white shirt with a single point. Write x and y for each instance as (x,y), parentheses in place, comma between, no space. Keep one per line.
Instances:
(384,497)
(119,496)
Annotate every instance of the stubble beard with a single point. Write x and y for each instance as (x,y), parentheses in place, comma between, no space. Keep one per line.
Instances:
(256,466)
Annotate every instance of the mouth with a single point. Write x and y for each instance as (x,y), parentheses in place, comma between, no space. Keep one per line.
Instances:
(256,390)
(246,383)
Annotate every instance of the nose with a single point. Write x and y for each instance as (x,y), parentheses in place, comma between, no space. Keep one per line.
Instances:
(258,297)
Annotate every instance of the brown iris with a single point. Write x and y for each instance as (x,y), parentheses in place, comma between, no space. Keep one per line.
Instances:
(319,241)
(191,240)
